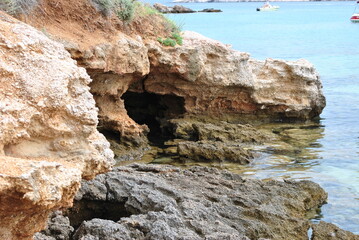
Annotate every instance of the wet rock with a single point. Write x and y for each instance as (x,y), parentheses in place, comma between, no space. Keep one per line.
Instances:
(328,231)
(217,205)
(192,129)
(205,151)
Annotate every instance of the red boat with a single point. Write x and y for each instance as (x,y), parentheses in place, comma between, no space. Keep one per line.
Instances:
(355,16)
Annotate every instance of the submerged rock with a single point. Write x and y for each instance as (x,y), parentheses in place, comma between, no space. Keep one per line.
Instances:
(194,129)
(205,151)
(162,202)
(48,136)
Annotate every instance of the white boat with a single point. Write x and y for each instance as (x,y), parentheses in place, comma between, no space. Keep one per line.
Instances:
(268,7)
(355,16)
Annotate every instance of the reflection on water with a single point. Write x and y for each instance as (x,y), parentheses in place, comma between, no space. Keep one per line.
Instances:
(297,152)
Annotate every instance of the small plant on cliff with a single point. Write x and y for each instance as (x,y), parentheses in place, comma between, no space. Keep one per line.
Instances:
(16,7)
(172,41)
(144,9)
(177,37)
(167,42)
(124,9)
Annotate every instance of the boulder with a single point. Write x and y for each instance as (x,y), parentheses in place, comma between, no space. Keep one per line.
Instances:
(48,135)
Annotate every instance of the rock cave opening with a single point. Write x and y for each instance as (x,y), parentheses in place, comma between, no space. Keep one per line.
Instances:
(154,110)
(85,210)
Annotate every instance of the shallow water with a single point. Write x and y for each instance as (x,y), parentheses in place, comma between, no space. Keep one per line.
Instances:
(321,32)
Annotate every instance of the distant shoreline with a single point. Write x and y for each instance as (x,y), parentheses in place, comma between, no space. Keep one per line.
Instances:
(223,1)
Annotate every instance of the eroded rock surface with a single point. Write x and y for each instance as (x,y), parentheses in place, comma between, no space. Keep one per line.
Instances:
(114,66)
(161,202)
(48,136)
(328,231)
(216,80)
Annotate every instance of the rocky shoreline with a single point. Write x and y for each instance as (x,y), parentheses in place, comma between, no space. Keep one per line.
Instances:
(164,202)
(224,1)
(90,81)
(181,9)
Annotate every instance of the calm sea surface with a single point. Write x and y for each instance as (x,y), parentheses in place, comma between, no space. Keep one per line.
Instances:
(322,33)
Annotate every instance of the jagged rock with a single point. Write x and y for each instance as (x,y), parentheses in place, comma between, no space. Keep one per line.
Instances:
(215,80)
(58,228)
(48,136)
(328,231)
(205,151)
(105,230)
(162,202)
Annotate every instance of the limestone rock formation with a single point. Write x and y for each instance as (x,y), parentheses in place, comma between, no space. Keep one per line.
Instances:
(48,136)
(162,202)
(215,80)
(114,66)
(328,231)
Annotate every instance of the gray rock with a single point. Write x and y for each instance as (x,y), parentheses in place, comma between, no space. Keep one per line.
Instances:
(58,228)
(99,229)
(165,202)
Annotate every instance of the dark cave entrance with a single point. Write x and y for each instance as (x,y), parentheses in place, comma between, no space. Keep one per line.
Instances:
(154,110)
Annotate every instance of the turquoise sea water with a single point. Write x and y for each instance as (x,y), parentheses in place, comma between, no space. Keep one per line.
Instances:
(322,33)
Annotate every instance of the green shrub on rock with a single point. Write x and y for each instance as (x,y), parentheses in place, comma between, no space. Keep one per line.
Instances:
(167,42)
(16,7)
(124,9)
(172,41)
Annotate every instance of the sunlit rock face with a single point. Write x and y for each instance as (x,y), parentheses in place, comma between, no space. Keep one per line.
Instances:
(48,136)
(214,79)
(114,66)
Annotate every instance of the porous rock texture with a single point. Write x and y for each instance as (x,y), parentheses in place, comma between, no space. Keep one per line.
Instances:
(162,202)
(215,80)
(48,136)
(114,67)
(328,231)
(203,141)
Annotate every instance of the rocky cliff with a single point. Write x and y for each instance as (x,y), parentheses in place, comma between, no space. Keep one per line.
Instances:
(49,139)
(201,77)
(139,84)
(48,136)
(213,79)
